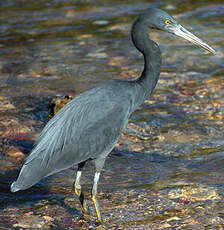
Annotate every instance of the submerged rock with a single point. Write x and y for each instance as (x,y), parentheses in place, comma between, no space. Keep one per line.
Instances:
(57,103)
(193,193)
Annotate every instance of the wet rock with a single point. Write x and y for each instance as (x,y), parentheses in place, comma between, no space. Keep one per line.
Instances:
(116,61)
(170,7)
(5,164)
(160,138)
(41,70)
(48,218)
(173,218)
(129,74)
(32,222)
(180,136)
(140,133)
(5,104)
(13,128)
(57,103)
(15,153)
(188,92)
(27,214)
(120,27)
(100,22)
(194,193)
(84,36)
(97,55)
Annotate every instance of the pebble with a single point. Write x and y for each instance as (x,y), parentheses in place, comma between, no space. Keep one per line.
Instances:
(15,153)
(100,22)
(97,55)
(193,193)
(173,218)
(48,218)
(30,222)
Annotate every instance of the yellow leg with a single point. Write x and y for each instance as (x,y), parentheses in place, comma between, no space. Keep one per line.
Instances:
(94,199)
(79,193)
(97,208)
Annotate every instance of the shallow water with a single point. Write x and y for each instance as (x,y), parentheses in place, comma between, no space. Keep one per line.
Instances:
(167,169)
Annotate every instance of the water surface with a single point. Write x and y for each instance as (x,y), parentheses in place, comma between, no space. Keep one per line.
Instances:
(167,169)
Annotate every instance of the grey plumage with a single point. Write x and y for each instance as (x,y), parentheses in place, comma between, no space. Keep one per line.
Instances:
(79,131)
(89,126)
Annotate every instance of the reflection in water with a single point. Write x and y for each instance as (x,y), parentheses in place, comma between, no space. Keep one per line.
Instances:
(167,169)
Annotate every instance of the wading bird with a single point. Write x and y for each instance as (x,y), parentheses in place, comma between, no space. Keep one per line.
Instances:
(88,127)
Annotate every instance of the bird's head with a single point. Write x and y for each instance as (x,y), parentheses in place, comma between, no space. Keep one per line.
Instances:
(159,19)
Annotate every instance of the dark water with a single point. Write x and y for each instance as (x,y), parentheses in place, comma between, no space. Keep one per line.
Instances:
(167,169)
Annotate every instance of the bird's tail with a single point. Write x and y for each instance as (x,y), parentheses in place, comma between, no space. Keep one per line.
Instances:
(30,174)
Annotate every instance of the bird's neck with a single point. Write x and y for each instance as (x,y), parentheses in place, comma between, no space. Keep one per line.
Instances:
(152,57)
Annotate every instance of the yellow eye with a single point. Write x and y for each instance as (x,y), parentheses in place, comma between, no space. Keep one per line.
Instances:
(167,22)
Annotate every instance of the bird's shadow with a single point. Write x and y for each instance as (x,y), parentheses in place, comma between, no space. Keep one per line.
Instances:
(33,195)
(33,199)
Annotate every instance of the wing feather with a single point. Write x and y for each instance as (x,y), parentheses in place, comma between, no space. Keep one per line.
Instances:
(80,128)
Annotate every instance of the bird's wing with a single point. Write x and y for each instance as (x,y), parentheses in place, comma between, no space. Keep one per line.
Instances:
(87,126)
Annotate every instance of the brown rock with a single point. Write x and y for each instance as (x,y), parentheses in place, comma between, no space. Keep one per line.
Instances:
(15,153)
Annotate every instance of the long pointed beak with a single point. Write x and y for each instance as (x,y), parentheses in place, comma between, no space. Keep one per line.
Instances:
(182,32)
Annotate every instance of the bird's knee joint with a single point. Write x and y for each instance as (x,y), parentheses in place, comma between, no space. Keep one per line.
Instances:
(94,193)
(77,189)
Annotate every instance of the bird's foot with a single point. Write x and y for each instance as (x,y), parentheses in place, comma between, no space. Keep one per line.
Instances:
(85,207)
(97,208)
